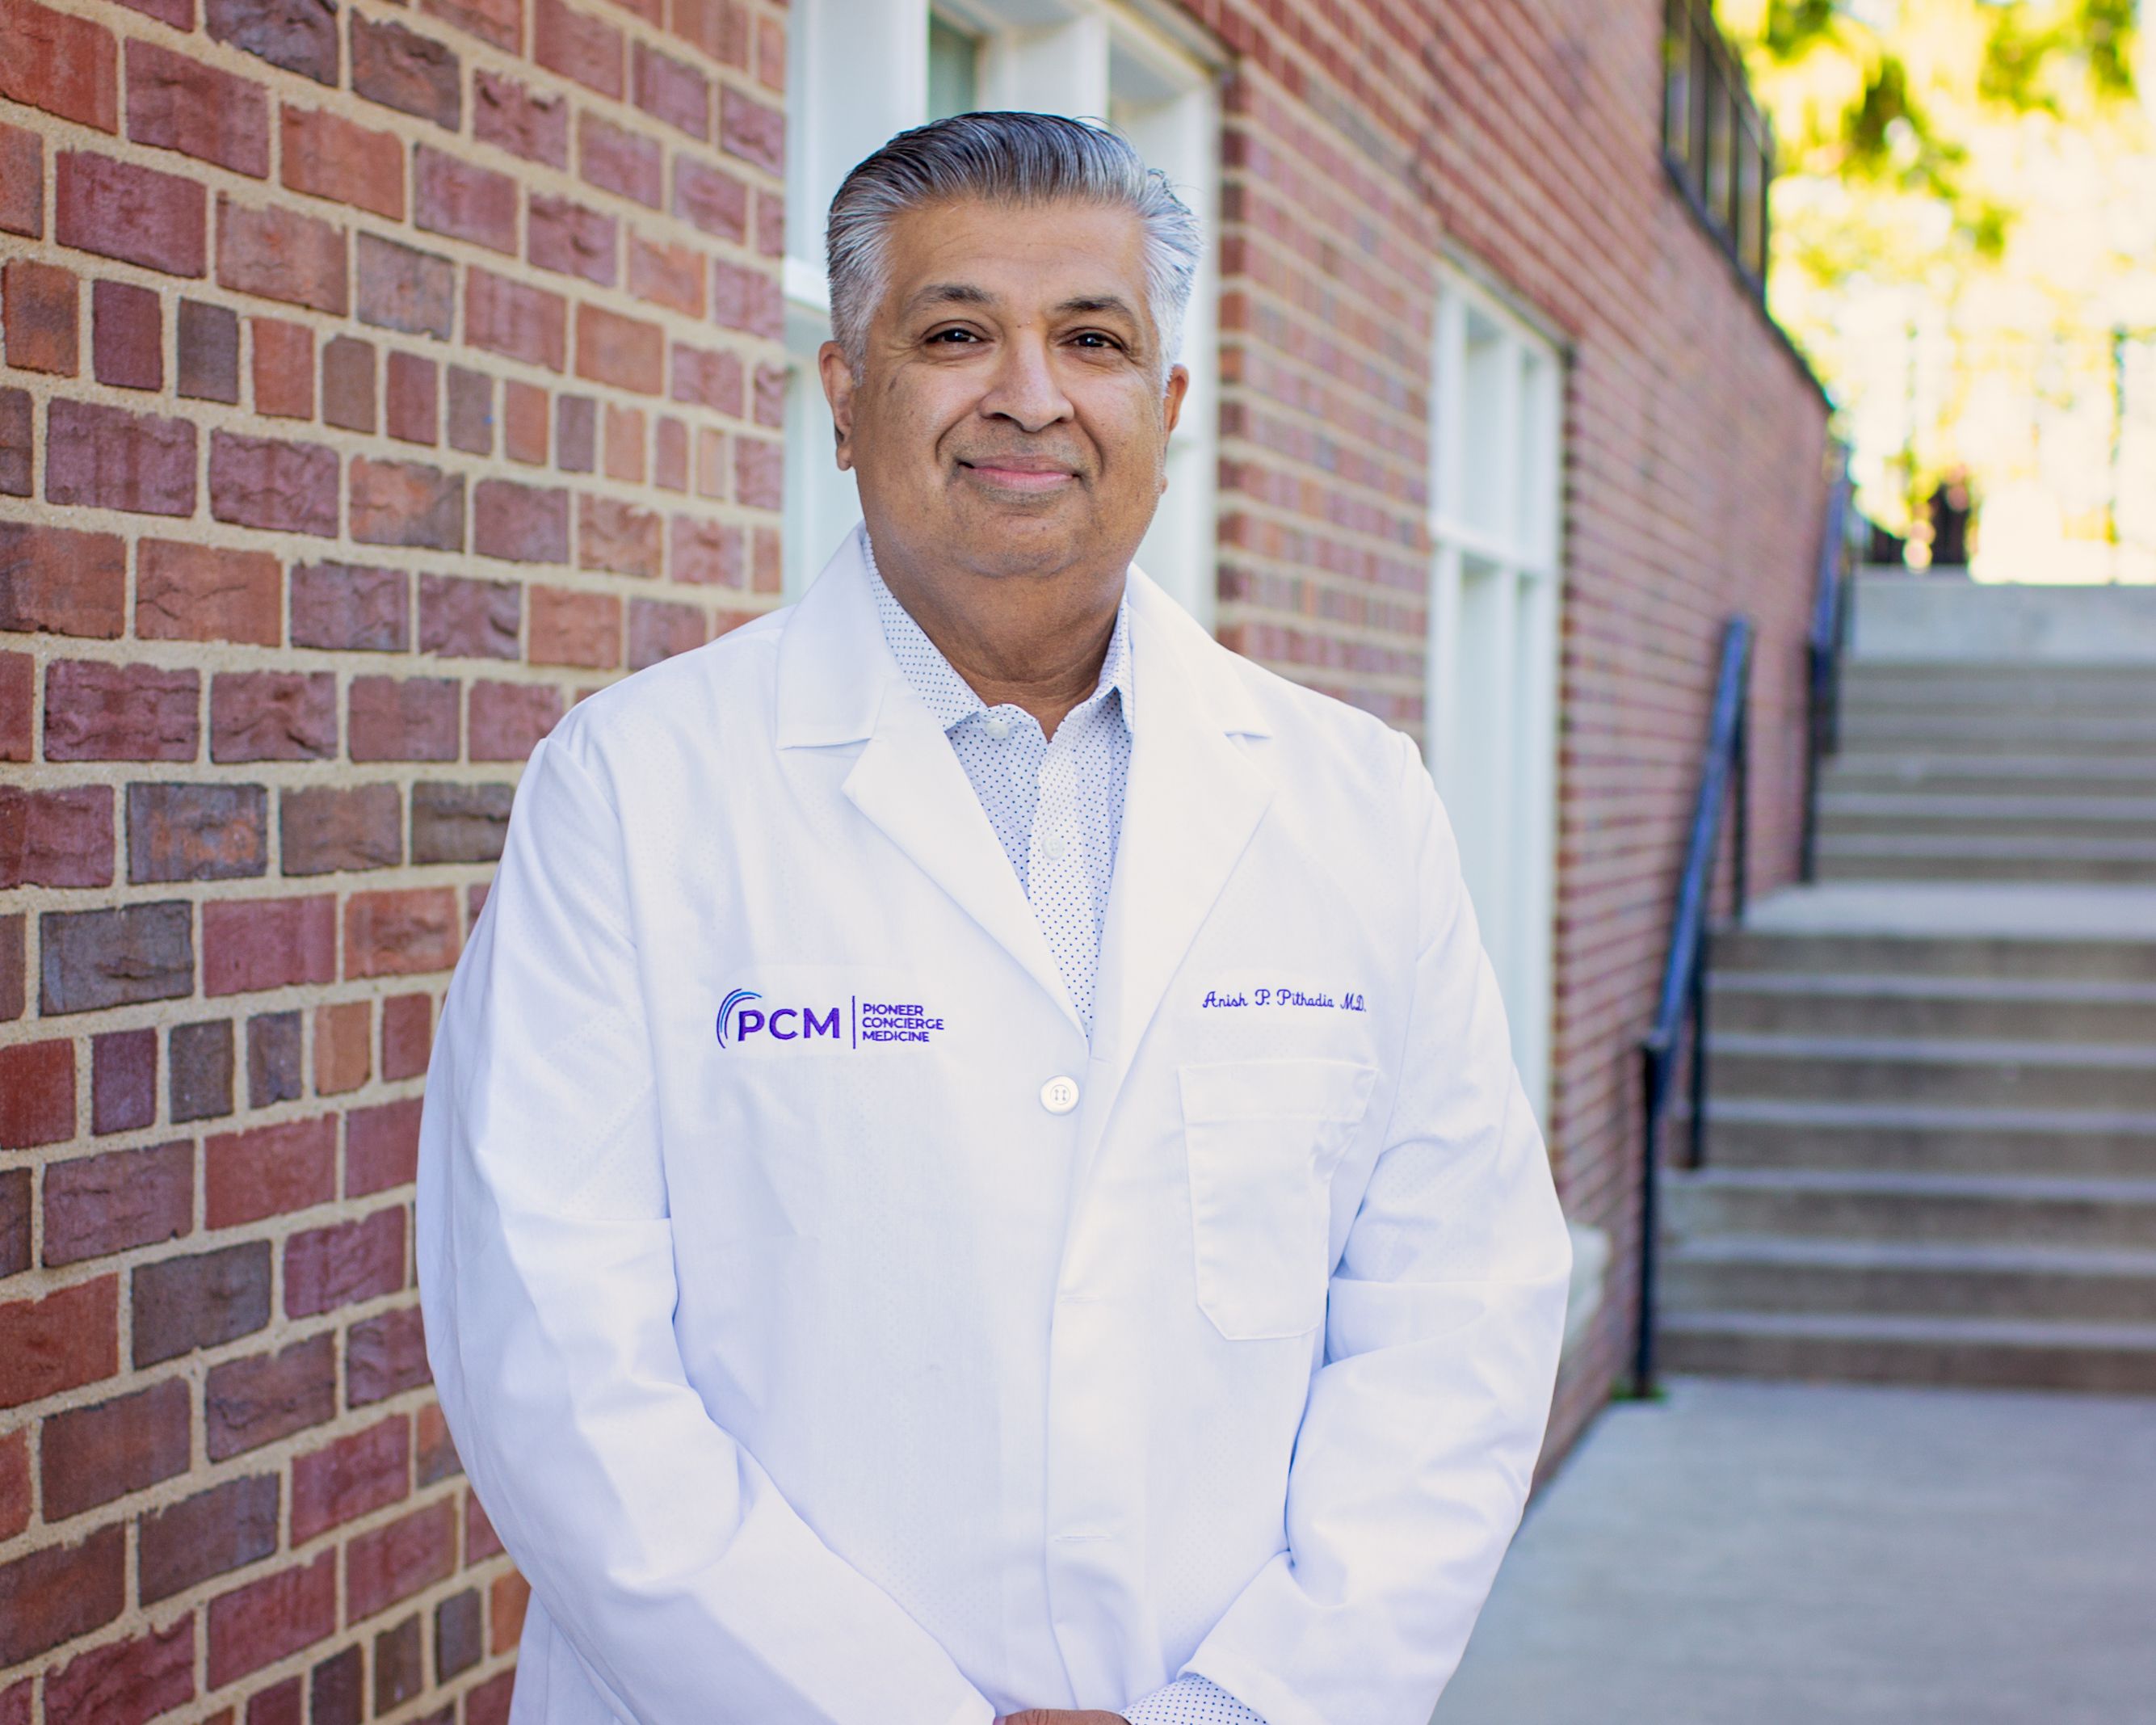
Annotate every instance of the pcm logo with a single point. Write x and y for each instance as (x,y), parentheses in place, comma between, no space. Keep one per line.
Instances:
(783,1024)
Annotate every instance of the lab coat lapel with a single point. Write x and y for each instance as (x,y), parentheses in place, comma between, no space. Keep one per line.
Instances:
(838,684)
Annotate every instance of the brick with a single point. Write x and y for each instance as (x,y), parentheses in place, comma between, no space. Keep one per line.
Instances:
(627,352)
(180,14)
(708,377)
(17,417)
(13,991)
(760,472)
(60,1342)
(403,719)
(387,1564)
(350,608)
(564,236)
(659,630)
(127,335)
(22,182)
(212,1533)
(411,395)
(433,1452)
(459,823)
(524,422)
(744,299)
(482,1542)
(407,1036)
(327,156)
(278,254)
(107,457)
(42,309)
(706,554)
(199,1300)
(15,1257)
(348,383)
(323,829)
(346,1264)
(95,1206)
(57,837)
(53,1595)
(248,1403)
(461,199)
(463,618)
(18,690)
(56,581)
(487,1704)
(36,1093)
(771,54)
(521,120)
(93,959)
(771,396)
(670,455)
(753,131)
(576,434)
(624,443)
(196,832)
(710,199)
(507,1597)
(266,482)
(351,1477)
(400,932)
(400,1671)
(284,368)
(209,349)
(273,715)
(273,1059)
(335,1690)
(269,1619)
(250,945)
(617,538)
(279,1704)
(401,288)
(459,1634)
(520,523)
(199,1066)
(583,48)
(96,711)
(516,319)
(626,163)
(123,1084)
(718,27)
(672,90)
(507,719)
(269,1171)
(200,592)
(385,1356)
(577,629)
(94,1454)
(471,411)
(407,503)
(500,21)
(62,65)
(344,1037)
(668,275)
(299,35)
(126,1683)
(403,70)
(175,103)
(15,1480)
(120,209)
(382,1145)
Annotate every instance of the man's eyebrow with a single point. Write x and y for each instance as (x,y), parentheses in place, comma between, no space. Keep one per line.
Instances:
(1096,303)
(949,293)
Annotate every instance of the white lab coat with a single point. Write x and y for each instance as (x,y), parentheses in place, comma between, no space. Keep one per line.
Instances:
(828,1375)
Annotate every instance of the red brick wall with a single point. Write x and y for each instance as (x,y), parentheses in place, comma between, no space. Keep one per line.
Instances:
(376,381)
(1364,141)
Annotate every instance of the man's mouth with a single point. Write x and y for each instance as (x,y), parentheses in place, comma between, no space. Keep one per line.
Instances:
(1020,473)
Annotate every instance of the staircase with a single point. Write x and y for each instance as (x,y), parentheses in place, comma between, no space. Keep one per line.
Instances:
(1930,1123)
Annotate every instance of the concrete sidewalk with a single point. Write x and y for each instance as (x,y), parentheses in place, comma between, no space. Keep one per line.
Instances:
(1757,1553)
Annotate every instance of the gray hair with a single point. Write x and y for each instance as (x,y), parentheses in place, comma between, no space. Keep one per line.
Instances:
(1023,159)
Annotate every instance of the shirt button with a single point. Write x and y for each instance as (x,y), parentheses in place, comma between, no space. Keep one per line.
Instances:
(1059,1095)
(997,726)
(1054,845)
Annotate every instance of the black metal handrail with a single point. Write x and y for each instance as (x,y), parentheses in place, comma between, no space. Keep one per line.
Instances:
(1724,775)
(1823,650)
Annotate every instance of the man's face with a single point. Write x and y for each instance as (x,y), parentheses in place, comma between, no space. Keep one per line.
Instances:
(1010,418)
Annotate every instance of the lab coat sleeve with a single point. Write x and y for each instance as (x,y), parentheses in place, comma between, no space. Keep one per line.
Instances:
(1444,1322)
(688,1587)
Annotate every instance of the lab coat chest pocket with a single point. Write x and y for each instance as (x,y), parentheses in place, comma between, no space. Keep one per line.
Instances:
(1263,1137)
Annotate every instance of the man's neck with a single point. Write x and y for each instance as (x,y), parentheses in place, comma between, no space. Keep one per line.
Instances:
(1029,641)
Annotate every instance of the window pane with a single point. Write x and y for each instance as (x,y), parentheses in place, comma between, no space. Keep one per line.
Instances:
(1676,87)
(953,74)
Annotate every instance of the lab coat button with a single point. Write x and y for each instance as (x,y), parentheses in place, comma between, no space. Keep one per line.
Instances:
(997,726)
(1059,1095)
(1053,845)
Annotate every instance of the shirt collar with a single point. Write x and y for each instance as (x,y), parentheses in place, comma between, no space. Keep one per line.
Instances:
(948,696)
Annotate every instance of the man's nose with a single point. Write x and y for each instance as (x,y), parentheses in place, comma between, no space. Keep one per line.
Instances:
(1025,389)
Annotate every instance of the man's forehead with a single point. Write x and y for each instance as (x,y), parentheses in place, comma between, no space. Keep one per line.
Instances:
(975,251)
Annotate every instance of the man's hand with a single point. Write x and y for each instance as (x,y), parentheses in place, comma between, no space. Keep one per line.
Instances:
(1063,1715)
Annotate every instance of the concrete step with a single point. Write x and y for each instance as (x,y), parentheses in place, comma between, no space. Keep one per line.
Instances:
(1954,858)
(2118,1359)
(1868,1204)
(2023,819)
(1874,730)
(1990,685)
(2006,956)
(1898,1138)
(1957,1072)
(2018,774)
(2062,1009)
(1771,1273)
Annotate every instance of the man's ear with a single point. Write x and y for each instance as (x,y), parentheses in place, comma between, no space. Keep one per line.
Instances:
(1178,385)
(837,380)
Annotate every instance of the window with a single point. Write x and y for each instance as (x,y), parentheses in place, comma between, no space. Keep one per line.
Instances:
(863,69)
(1717,144)
(1490,727)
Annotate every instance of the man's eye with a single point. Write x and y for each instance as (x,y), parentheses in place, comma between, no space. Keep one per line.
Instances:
(1096,339)
(953,336)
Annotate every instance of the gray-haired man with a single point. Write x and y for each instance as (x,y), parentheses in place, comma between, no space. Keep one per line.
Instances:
(973,1167)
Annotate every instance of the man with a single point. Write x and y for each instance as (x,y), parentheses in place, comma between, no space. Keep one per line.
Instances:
(972,1167)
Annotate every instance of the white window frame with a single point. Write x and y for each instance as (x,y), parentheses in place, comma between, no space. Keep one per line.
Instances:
(859,73)
(1497,531)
